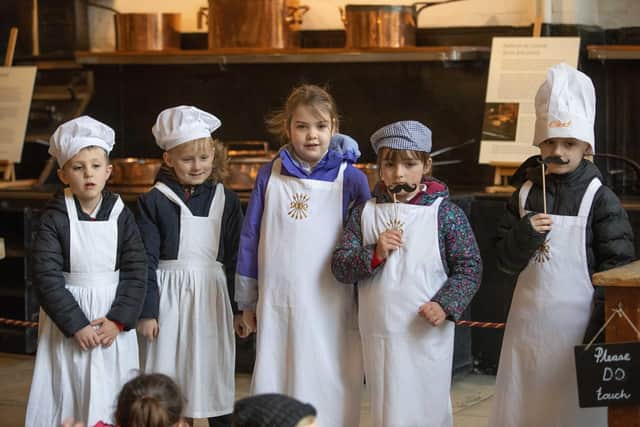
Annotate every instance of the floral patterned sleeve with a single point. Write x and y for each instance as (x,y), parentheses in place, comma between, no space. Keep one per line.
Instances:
(461,256)
(351,260)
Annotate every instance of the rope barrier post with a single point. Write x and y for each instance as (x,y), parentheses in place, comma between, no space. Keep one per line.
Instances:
(622,295)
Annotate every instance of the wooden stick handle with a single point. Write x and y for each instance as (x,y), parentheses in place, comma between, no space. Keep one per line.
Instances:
(11,47)
(544,189)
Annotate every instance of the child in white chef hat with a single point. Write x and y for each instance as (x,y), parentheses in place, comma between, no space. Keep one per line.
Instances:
(190,225)
(90,277)
(554,250)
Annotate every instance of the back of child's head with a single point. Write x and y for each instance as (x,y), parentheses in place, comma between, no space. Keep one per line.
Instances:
(565,106)
(149,400)
(272,410)
(314,97)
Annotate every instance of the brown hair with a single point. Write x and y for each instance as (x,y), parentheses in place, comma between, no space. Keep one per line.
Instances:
(315,97)
(152,400)
(395,155)
(220,165)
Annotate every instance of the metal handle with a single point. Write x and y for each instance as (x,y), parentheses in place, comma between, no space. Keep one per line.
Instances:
(202,12)
(421,5)
(343,16)
(294,16)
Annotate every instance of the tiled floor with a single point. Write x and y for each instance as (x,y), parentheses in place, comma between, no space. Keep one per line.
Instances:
(471,394)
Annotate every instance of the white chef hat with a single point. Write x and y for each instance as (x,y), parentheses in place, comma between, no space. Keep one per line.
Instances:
(185,123)
(76,134)
(565,106)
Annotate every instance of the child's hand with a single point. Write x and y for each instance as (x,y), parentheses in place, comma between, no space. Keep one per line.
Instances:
(70,422)
(249,322)
(433,312)
(148,328)
(388,241)
(241,328)
(541,222)
(107,331)
(87,338)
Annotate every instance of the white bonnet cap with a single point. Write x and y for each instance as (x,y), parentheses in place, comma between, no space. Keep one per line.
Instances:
(565,106)
(76,134)
(178,125)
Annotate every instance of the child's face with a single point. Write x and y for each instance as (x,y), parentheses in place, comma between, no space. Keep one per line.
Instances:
(310,133)
(86,174)
(410,171)
(568,149)
(192,162)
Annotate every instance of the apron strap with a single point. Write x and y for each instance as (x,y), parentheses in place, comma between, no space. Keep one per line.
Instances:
(217,204)
(276,168)
(589,195)
(69,201)
(117,209)
(171,195)
(523,195)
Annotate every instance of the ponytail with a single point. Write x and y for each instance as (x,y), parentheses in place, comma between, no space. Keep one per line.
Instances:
(149,401)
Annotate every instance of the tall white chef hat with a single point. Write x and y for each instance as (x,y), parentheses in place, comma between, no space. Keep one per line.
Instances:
(79,133)
(178,125)
(565,106)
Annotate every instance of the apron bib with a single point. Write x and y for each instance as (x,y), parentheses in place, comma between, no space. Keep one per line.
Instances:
(307,340)
(69,382)
(195,343)
(536,383)
(407,360)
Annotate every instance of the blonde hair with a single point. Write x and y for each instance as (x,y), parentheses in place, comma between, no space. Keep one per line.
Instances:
(318,99)
(220,165)
(396,155)
(306,421)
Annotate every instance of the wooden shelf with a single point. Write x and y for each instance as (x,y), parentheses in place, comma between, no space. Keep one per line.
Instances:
(292,56)
(613,52)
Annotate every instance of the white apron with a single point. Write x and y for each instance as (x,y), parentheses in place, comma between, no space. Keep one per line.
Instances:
(195,343)
(307,340)
(536,383)
(68,382)
(407,361)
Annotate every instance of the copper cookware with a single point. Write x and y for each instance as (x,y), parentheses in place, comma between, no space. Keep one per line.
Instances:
(245,160)
(147,31)
(134,171)
(382,25)
(254,23)
(144,31)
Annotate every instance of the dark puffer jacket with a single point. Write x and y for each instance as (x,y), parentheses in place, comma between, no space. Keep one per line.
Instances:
(609,237)
(159,222)
(51,259)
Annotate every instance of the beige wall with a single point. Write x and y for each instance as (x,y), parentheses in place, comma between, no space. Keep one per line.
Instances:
(324,13)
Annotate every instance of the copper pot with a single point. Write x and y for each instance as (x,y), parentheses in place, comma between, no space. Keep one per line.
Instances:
(253,23)
(382,25)
(144,31)
(147,31)
(245,160)
(371,171)
(134,171)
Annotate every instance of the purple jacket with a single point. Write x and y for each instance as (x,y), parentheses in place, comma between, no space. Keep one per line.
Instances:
(355,191)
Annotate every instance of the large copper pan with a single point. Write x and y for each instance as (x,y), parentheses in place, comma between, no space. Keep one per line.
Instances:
(254,23)
(147,31)
(144,31)
(369,25)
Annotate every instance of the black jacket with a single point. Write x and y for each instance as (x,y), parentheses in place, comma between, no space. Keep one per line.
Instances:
(159,222)
(609,237)
(51,259)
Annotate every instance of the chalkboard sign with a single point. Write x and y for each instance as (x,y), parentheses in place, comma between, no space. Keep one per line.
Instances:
(608,374)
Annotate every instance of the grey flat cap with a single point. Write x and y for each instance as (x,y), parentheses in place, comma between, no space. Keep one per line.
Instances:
(403,135)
